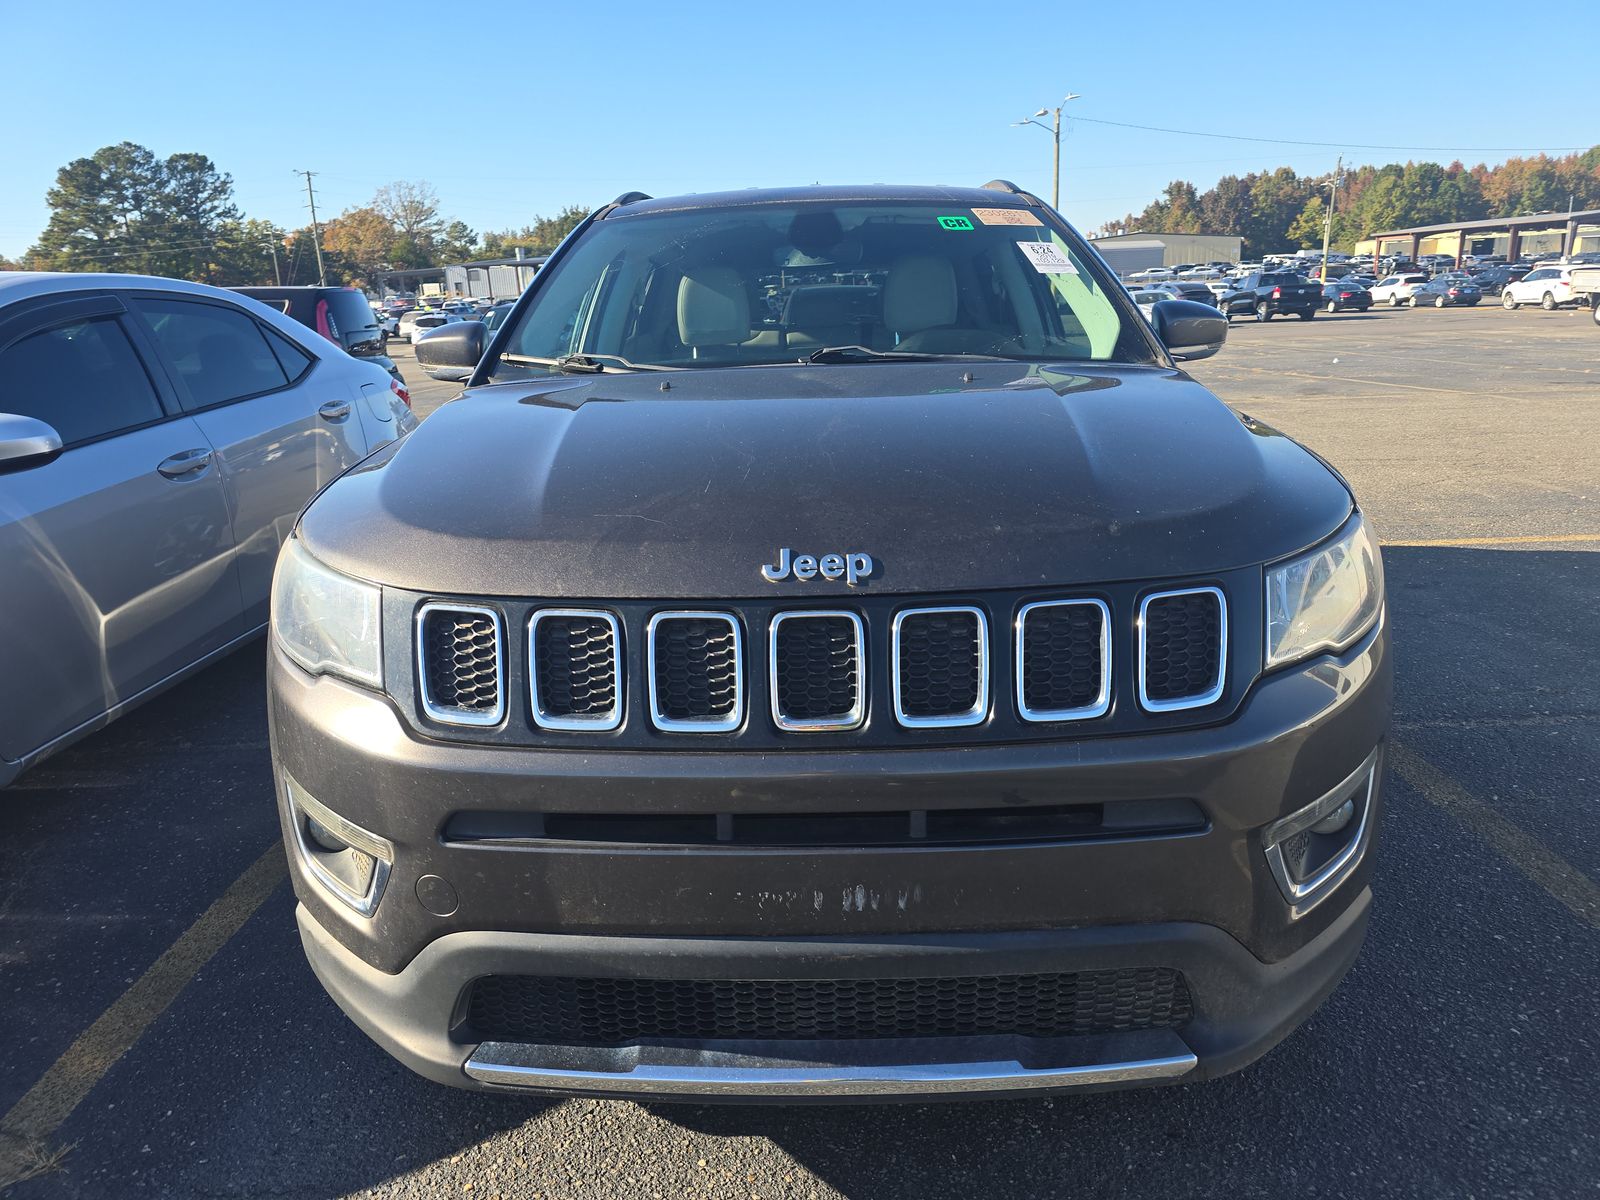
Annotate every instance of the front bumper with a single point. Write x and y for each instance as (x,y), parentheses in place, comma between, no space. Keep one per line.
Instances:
(1203,902)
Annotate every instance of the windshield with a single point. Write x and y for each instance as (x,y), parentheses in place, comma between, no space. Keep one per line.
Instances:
(766,284)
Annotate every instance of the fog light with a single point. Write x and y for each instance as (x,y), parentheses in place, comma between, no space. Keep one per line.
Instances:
(1313,850)
(349,861)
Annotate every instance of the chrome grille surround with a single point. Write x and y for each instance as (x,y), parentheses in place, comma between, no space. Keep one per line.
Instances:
(1102,702)
(588,722)
(846,720)
(1199,699)
(980,709)
(444,714)
(668,724)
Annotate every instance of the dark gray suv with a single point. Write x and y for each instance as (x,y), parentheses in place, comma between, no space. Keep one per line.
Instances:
(830,651)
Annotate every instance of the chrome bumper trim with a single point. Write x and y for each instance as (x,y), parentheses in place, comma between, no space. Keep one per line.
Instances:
(511,1064)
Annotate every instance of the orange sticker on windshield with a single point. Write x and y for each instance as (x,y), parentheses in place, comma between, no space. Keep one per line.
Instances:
(1006,216)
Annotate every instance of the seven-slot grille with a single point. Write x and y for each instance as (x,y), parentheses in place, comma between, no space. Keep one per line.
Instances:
(558,1010)
(691,672)
(696,672)
(459,652)
(1183,648)
(941,667)
(816,675)
(1063,660)
(575,669)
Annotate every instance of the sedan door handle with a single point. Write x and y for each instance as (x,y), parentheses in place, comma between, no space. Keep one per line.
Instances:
(184,463)
(334,410)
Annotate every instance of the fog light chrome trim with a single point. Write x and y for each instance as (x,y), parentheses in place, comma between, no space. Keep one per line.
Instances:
(1305,895)
(301,805)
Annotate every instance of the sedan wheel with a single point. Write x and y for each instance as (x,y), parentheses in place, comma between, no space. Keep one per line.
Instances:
(1438,302)
(1548,302)
(1412,302)
(1332,306)
(1507,303)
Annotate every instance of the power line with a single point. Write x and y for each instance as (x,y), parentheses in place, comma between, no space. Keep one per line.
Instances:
(1239,137)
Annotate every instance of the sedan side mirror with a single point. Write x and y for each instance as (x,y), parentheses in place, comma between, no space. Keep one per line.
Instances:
(26,442)
(1188,329)
(451,352)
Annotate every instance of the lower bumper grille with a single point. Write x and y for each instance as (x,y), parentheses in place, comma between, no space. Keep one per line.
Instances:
(560,1010)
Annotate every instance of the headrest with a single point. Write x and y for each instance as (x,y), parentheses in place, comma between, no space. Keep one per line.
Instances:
(829,304)
(920,293)
(713,307)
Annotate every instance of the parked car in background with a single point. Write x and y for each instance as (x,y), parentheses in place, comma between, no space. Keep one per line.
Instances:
(1395,290)
(1445,291)
(1493,279)
(1151,275)
(1270,293)
(157,441)
(340,314)
(414,324)
(1193,289)
(1548,287)
(1343,296)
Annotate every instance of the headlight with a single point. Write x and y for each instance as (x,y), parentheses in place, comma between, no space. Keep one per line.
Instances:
(325,621)
(1326,599)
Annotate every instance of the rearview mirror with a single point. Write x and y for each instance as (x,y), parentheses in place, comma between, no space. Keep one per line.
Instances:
(26,442)
(452,351)
(1188,329)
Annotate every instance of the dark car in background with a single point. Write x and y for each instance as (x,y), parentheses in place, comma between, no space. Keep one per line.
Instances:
(1491,281)
(1343,296)
(1445,291)
(1191,289)
(1272,293)
(835,651)
(341,314)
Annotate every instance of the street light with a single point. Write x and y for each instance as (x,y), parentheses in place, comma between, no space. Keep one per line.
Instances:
(1054,130)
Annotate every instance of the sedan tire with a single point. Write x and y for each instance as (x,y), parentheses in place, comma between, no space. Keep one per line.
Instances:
(1507,302)
(1331,306)
(1439,302)
(1412,302)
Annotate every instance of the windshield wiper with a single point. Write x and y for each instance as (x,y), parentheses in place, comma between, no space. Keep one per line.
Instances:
(852,354)
(581,364)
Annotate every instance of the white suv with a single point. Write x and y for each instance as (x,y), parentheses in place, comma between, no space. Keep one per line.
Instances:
(1396,290)
(1548,287)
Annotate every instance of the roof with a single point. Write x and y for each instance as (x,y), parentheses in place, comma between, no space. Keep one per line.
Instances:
(1156,233)
(19,285)
(532,260)
(1525,221)
(966,197)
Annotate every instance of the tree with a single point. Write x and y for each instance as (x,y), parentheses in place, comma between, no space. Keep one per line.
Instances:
(1310,225)
(243,253)
(363,238)
(413,210)
(194,201)
(541,237)
(457,243)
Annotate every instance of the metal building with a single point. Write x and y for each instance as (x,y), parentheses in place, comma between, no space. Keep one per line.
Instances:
(1535,235)
(494,278)
(1137,251)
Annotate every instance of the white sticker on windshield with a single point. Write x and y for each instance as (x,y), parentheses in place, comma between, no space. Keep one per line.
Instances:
(1047,258)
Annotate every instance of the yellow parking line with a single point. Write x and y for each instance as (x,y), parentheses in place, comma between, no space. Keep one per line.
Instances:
(34,1119)
(1558,878)
(1519,540)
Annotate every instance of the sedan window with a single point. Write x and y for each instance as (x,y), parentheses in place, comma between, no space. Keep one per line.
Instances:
(219,353)
(83,379)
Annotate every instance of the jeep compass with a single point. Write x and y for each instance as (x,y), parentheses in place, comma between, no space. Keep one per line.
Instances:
(829,650)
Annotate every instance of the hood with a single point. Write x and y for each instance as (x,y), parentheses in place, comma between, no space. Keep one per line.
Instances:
(952,476)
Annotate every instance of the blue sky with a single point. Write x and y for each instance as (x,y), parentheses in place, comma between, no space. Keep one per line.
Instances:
(574,103)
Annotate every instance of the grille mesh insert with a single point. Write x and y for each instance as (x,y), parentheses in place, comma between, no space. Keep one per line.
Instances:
(816,669)
(1061,657)
(576,661)
(557,1010)
(462,660)
(696,665)
(1183,645)
(939,664)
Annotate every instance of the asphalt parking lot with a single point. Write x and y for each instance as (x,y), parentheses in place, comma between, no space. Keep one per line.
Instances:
(164,1037)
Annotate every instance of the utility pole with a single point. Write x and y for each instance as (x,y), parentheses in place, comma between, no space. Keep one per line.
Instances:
(277,272)
(1327,225)
(316,230)
(1054,130)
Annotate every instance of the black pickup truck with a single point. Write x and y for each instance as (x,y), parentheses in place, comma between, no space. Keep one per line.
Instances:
(1272,292)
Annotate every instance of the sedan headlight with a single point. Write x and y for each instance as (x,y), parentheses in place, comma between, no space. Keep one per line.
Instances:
(325,621)
(1325,599)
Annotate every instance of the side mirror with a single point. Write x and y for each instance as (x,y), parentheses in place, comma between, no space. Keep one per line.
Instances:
(1188,329)
(26,442)
(451,352)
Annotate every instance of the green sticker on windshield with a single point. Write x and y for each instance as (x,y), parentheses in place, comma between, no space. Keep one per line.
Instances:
(954,223)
